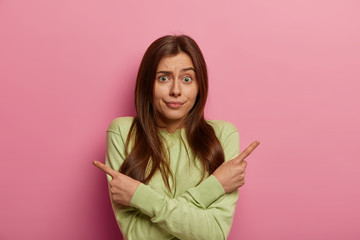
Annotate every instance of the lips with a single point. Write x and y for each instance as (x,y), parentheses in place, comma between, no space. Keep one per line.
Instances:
(174,104)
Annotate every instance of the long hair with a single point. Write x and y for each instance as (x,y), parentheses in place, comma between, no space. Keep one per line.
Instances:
(146,156)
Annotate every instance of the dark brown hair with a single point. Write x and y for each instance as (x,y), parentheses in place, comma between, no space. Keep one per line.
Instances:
(146,144)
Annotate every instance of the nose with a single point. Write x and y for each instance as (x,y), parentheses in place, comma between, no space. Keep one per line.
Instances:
(175,90)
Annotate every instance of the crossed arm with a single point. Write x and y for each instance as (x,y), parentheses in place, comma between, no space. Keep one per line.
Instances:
(202,212)
(231,176)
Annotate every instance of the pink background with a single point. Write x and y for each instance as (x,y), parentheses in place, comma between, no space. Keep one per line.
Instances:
(284,72)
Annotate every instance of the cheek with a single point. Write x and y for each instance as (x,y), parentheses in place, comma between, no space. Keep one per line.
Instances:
(193,93)
(158,92)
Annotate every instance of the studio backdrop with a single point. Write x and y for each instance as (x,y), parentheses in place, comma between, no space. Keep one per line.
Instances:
(284,72)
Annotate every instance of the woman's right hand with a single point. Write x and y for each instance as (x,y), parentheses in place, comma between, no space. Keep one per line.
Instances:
(231,174)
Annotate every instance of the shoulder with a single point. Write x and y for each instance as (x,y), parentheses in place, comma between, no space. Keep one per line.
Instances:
(228,136)
(120,125)
(222,128)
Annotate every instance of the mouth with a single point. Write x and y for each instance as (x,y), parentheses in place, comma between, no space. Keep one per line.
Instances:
(174,104)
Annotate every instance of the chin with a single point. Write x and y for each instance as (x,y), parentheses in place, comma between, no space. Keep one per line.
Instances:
(174,118)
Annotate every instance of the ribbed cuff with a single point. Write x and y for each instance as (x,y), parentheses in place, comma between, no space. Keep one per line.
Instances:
(207,191)
(147,200)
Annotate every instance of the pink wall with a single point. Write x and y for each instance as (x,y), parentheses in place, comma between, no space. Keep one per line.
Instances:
(285,72)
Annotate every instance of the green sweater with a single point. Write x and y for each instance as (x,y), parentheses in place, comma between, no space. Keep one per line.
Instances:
(191,211)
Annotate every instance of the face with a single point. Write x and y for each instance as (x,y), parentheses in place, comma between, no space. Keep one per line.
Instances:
(175,90)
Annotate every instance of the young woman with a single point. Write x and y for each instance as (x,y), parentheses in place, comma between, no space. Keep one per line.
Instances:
(170,171)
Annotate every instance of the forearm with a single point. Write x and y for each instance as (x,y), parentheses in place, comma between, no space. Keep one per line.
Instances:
(136,225)
(191,215)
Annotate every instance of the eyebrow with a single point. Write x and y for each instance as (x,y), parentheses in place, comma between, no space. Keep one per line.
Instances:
(182,70)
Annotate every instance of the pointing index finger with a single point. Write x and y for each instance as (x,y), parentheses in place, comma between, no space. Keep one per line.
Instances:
(105,168)
(248,150)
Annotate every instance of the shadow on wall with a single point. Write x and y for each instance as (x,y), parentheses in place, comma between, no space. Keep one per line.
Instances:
(103,212)
(123,106)
(124,91)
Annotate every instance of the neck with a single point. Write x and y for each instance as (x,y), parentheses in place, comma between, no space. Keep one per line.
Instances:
(170,126)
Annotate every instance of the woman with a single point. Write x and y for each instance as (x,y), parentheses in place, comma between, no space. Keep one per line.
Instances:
(169,171)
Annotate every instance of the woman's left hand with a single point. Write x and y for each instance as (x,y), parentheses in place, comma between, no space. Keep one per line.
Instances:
(122,187)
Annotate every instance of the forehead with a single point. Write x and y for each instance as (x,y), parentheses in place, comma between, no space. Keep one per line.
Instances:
(174,62)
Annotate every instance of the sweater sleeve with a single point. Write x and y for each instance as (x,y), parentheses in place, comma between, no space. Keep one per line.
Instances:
(186,217)
(202,212)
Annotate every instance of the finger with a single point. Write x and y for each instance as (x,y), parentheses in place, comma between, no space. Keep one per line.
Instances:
(248,150)
(105,168)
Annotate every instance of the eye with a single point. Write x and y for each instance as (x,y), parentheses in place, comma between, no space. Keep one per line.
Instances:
(163,78)
(187,79)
